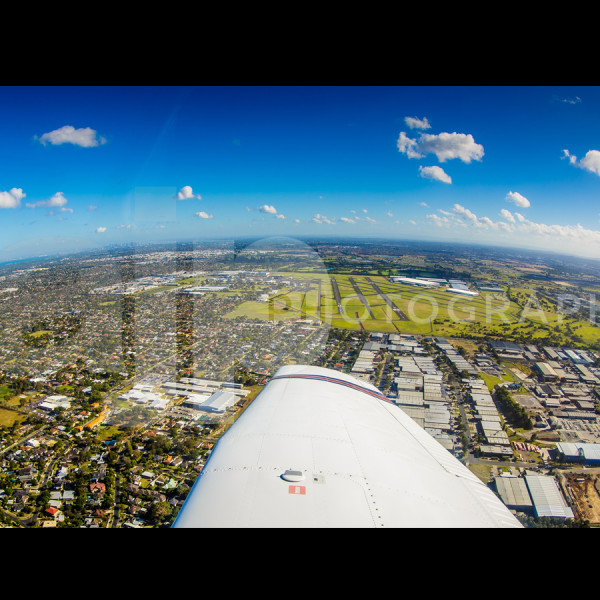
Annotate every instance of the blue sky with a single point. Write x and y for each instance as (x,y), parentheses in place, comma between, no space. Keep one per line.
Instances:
(90,166)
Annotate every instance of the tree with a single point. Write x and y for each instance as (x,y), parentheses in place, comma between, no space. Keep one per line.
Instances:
(158,512)
(43,498)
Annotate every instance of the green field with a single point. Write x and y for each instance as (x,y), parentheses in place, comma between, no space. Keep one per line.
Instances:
(42,332)
(490,380)
(429,311)
(8,417)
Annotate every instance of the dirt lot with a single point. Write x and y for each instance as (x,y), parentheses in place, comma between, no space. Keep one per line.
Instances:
(583,489)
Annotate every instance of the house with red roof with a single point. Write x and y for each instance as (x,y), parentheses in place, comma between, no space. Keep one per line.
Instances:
(97,488)
(53,512)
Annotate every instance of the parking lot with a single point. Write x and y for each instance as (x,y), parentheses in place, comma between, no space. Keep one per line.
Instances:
(584,430)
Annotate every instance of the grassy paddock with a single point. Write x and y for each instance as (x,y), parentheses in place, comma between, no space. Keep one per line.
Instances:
(8,417)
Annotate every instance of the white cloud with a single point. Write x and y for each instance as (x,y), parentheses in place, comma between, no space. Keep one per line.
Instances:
(505,226)
(280,216)
(578,234)
(100,229)
(92,207)
(518,199)
(84,137)
(575,239)
(186,193)
(575,100)
(438,221)
(269,209)
(56,201)
(424,204)
(415,123)
(572,158)
(365,210)
(590,162)
(408,146)
(322,219)
(204,215)
(460,214)
(389,213)
(435,173)
(446,146)
(486,223)
(507,215)
(12,198)
(347,220)
(461,211)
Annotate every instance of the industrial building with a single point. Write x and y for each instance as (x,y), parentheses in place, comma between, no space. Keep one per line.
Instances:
(219,402)
(574,357)
(585,375)
(51,403)
(459,361)
(202,289)
(495,450)
(579,452)
(546,372)
(546,496)
(183,389)
(463,292)
(194,401)
(140,395)
(412,281)
(514,493)
(505,347)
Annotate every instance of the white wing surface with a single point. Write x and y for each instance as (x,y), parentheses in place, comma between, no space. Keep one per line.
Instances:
(318,448)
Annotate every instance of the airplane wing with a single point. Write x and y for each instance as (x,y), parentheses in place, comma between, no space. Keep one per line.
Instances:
(319,448)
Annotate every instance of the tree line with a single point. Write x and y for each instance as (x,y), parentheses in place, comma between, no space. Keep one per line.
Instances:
(512,410)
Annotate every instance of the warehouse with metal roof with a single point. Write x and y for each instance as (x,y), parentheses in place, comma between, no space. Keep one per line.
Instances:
(546,371)
(579,452)
(218,402)
(514,493)
(547,498)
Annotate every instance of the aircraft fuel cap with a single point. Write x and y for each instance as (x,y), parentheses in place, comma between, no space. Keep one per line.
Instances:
(293,475)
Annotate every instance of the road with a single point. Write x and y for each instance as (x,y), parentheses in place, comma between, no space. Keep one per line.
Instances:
(30,432)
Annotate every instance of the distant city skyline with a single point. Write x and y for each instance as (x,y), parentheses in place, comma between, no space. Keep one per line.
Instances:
(85,167)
